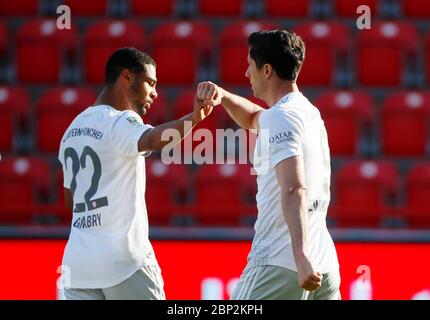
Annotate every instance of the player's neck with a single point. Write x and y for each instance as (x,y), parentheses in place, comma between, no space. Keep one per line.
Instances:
(113,97)
(278,90)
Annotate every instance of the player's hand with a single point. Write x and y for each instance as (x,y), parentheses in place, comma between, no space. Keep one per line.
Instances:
(209,93)
(308,278)
(207,96)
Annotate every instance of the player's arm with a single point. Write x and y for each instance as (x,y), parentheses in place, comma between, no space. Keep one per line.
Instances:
(69,199)
(153,140)
(244,112)
(291,178)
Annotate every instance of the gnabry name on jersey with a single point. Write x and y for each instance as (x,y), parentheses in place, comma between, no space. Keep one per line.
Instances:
(89,221)
(282,137)
(89,132)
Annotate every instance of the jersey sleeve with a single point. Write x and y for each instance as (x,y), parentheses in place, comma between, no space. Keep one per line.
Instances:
(285,134)
(126,131)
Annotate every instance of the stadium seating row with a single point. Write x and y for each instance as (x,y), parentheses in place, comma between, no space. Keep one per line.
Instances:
(402,123)
(194,47)
(367,193)
(222,8)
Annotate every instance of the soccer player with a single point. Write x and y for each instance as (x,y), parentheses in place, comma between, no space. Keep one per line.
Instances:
(293,255)
(108,254)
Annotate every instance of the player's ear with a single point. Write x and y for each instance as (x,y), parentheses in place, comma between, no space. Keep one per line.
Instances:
(268,70)
(126,77)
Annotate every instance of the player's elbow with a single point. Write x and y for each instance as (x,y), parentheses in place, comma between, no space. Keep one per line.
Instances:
(293,194)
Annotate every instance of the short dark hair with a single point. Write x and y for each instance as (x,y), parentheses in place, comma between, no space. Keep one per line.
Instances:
(126,58)
(282,49)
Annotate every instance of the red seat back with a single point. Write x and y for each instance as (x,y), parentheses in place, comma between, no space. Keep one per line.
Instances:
(291,8)
(364,189)
(416,8)
(401,112)
(88,8)
(349,8)
(221,8)
(55,110)
(166,189)
(19,8)
(417,195)
(102,39)
(344,114)
(179,46)
(325,41)
(159,8)
(221,192)
(382,51)
(24,182)
(42,50)
(234,50)
(3,39)
(427,56)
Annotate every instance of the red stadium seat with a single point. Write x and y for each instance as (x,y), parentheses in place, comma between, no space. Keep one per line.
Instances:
(427,56)
(4,42)
(405,124)
(416,8)
(180,46)
(234,50)
(102,39)
(19,8)
(349,8)
(87,8)
(325,41)
(162,8)
(166,190)
(159,111)
(55,110)
(417,196)
(291,8)
(345,113)
(221,8)
(42,50)
(24,182)
(220,193)
(382,52)
(14,103)
(364,192)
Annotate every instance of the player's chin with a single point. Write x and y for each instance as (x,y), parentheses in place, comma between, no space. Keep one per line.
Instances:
(142,110)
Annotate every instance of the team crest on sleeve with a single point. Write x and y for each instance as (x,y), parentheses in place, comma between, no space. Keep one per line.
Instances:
(132,120)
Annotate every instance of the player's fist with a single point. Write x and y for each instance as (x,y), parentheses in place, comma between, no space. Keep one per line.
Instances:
(308,278)
(209,93)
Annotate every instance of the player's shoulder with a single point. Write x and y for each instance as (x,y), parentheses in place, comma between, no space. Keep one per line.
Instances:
(108,113)
(287,112)
(131,116)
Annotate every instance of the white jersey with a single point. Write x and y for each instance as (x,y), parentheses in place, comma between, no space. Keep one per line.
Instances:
(106,174)
(292,127)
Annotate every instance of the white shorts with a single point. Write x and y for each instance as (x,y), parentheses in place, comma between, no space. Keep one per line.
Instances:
(145,284)
(277,283)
